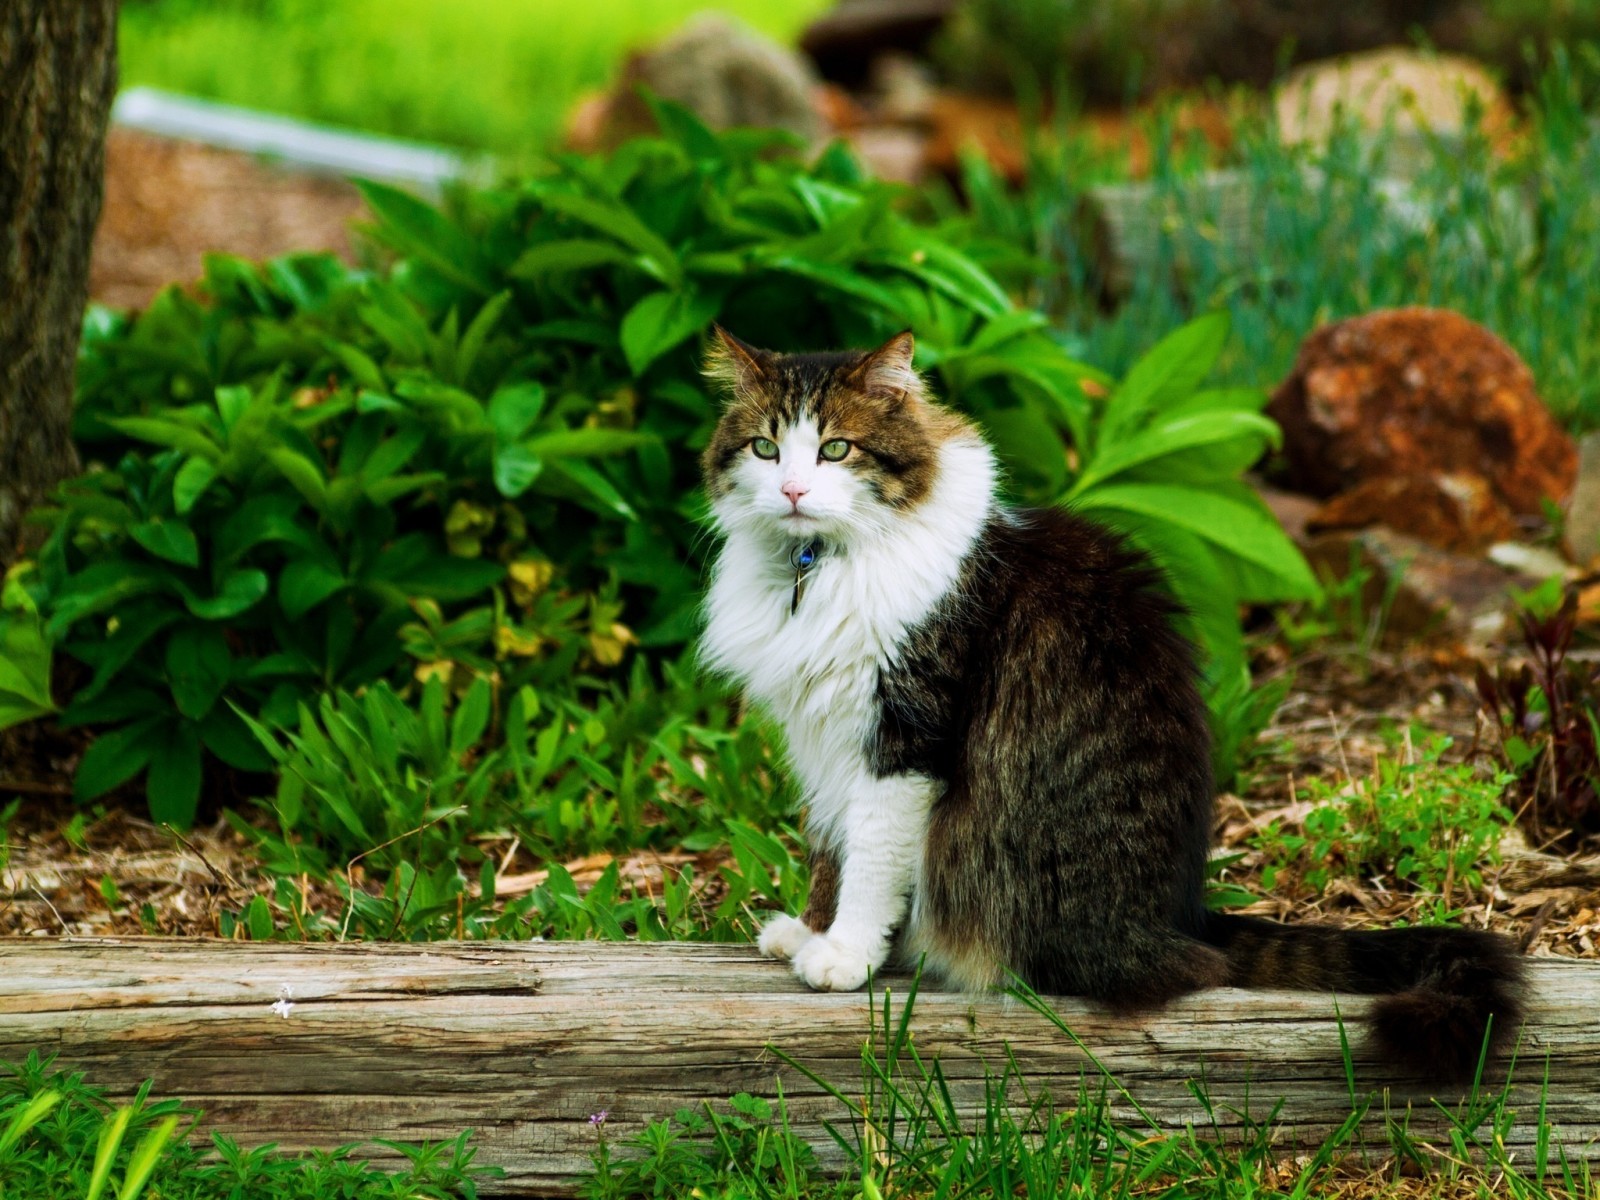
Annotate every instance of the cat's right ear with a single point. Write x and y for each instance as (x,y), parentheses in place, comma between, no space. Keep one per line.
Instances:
(738,367)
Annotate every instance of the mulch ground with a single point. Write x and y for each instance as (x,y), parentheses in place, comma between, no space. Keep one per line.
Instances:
(94,877)
(169,203)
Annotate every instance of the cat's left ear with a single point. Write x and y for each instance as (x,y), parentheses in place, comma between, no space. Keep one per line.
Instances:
(887,371)
(730,362)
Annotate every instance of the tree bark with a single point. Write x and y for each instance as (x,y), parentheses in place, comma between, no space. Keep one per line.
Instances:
(58,69)
(522,1042)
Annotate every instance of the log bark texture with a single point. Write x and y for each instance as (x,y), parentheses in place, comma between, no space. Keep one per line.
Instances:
(58,71)
(523,1041)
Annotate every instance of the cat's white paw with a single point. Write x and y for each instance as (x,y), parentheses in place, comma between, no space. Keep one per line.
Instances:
(832,966)
(783,936)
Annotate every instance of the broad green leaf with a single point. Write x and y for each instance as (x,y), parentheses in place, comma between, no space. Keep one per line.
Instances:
(303,475)
(264,518)
(957,276)
(226,736)
(167,433)
(472,341)
(241,589)
(1168,374)
(113,758)
(171,540)
(515,469)
(415,227)
(392,454)
(1231,520)
(386,491)
(191,482)
(842,279)
(172,785)
(305,584)
(683,127)
(569,254)
(471,718)
(514,408)
(25,660)
(199,667)
(363,370)
(462,409)
(100,586)
(595,484)
(258,920)
(173,781)
(1030,447)
(1173,436)
(585,443)
(661,321)
(613,218)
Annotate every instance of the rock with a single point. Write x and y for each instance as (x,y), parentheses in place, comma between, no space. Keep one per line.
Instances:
(718,68)
(1429,591)
(1583,513)
(1452,512)
(960,122)
(845,42)
(1536,562)
(1293,511)
(1424,96)
(1419,392)
(891,152)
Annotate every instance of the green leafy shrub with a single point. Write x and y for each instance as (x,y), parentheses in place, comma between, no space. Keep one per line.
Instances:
(25,654)
(1430,824)
(481,462)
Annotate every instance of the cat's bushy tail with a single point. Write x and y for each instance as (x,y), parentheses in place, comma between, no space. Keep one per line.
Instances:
(1444,989)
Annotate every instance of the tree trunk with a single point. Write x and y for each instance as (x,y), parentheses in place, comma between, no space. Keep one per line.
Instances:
(320,1045)
(58,69)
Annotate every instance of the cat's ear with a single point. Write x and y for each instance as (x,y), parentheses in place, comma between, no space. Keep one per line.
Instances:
(738,367)
(887,371)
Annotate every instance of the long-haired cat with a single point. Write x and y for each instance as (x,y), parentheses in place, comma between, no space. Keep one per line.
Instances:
(998,731)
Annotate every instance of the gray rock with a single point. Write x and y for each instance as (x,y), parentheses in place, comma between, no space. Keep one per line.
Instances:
(1583,512)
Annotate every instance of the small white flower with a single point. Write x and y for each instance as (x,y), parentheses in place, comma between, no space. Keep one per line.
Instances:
(283,1004)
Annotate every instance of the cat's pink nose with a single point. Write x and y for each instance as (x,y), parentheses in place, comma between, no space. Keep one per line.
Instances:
(794,490)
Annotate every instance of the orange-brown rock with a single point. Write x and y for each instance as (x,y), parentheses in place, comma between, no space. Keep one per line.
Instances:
(1453,512)
(1419,392)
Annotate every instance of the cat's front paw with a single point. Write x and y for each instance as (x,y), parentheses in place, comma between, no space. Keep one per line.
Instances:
(832,966)
(783,936)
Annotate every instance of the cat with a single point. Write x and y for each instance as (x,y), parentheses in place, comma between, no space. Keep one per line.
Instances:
(997,727)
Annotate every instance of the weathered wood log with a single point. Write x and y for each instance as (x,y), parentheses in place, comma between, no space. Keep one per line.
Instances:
(523,1041)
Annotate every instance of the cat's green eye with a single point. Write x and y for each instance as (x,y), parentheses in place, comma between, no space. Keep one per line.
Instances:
(765,448)
(836,450)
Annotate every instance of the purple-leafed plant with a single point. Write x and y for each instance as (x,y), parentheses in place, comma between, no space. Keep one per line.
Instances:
(1546,711)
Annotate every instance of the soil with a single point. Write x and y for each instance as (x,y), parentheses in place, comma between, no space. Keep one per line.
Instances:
(169,203)
(1336,722)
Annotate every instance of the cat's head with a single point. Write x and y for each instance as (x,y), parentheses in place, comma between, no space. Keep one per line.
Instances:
(831,445)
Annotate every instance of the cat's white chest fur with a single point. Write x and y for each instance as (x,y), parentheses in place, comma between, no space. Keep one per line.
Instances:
(816,669)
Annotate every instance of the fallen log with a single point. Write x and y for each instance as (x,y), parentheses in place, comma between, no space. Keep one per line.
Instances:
(321,1045)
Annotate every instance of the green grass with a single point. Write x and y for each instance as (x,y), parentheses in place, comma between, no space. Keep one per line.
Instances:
(1511,243)
(61,1137)
(495,75)
(903,1134)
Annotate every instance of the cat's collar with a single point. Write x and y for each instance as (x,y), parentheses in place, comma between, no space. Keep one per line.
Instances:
(803,557)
